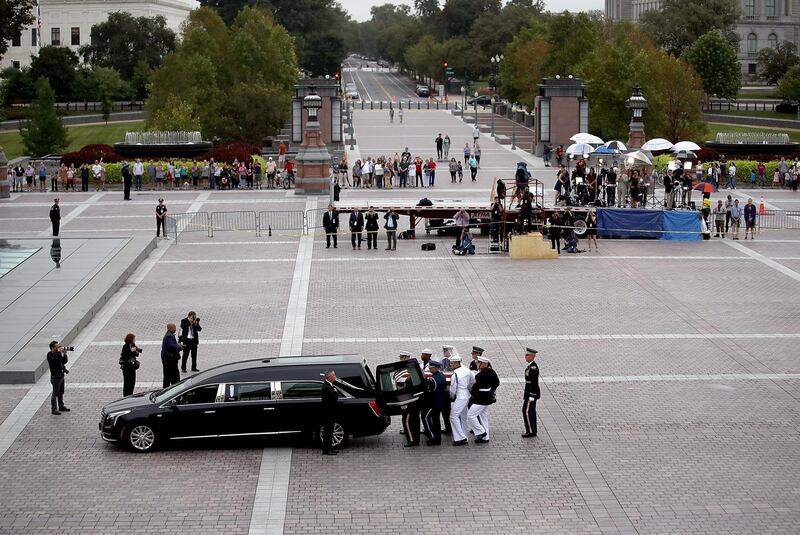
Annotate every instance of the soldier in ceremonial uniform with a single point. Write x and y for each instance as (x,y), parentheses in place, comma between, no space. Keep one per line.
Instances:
(460,387)
(476,352)
(437,387)
(411,418)
(425,357)
(448,352)
(531,393)
(482,395)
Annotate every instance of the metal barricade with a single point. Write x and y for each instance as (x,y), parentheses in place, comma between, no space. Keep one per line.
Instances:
(314,217)
(171,227)
(191,222)
(772,220)
(792,219)
(239,220)
(281,220)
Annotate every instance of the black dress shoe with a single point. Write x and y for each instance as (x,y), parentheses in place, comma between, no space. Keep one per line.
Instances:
(528,435)
(481,440)
(183,370)
(481,436)
(411,444)
(434,443)
(195,370)
(461,442)
(64,409)
(55,411)
(332,452)
(447,432)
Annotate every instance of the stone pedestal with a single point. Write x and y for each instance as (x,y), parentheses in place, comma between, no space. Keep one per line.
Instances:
(313,164)
(530,246)
(5,184)
(637,103)
(562,110)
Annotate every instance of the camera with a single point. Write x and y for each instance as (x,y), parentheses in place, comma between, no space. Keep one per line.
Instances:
(68,348)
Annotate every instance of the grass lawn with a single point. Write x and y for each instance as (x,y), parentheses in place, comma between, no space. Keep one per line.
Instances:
(752,113)
(713,128)
(79,135)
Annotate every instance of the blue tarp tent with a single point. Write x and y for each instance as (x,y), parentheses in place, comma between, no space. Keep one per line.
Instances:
(688,222)
(629,222)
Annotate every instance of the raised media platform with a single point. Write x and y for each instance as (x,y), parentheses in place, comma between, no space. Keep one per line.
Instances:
(51,290)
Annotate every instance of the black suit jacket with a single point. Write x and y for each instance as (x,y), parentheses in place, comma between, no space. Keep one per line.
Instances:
(331,223)
(356,222)
(330,400)
(185,331)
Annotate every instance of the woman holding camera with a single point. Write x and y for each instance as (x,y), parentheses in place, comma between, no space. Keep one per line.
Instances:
(129,364)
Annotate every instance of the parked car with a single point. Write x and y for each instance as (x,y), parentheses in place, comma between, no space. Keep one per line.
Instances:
(261,398)
(353,94)
(481,100)
(423,90)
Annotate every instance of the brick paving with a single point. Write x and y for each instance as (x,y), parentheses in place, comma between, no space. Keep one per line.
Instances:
(650,419)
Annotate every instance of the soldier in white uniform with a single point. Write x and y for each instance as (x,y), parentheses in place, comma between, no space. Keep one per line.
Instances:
(448,352)
(460,387)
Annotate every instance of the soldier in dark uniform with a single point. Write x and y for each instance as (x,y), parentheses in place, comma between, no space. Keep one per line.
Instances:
(330,407)
(55,216)
(437,388)
(411,417)
(476,352)
(531,393)
(161,214)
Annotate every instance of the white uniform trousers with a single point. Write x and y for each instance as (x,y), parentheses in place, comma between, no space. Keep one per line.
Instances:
(479,419)
(458,419)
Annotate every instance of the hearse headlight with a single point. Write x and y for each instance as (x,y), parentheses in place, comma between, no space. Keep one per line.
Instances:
(114,415)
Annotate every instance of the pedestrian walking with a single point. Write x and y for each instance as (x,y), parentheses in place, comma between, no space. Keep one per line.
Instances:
(391,114)
(476,133)
(190,338)
(170,355)
(453,168)
(446,147)
(531,393)
(55,217)
(482,395)
(329,411)
(400,114)
(57,362)
(461,382)
(439,146)
(128,363)
(477,154)
(473,167)
(391,229)
(467,153)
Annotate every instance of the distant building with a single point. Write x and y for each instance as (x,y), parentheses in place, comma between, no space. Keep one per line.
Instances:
(764,23)
(69,23)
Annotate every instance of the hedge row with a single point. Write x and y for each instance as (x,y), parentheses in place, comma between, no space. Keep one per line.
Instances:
(114,170)
(743,167)
(222,153)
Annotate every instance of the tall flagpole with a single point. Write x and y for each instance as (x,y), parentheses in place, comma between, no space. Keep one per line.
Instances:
(38,27)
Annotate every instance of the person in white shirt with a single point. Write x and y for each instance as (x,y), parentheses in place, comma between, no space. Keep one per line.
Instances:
(460,387)
(138,171)
(476,133)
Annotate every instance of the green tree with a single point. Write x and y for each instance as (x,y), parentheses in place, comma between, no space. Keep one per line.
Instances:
(680,94)
(427,9)
(522,69)
(714,58)
(59,65)
(789,86)
(15,16)
(44,133)
(110,87)
(140,80)
(679,23)
(237,81)
(17,86)
(177,116)
(122,41)
(458,16)
(774,62)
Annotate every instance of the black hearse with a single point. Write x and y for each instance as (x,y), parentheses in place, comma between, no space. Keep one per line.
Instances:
(264,397)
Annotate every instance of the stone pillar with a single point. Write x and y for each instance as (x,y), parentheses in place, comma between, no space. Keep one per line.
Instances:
(313,159)
(5,184)
(562,110)
(637,104)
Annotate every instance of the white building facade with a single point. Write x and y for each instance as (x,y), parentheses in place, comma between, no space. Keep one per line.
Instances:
(764,23)
(69,23)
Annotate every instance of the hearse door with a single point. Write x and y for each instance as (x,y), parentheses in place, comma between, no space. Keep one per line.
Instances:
(399,385)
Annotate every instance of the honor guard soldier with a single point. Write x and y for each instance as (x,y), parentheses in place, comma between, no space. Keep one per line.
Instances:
(476,352)
(482,395)
(448,352)
(437,387)
(460,387)
(411,418)
(55,216)
(425,357)
(531,393)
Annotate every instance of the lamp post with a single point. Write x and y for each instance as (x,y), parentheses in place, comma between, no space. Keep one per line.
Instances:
(463,101)
(475,103)
(496,59)
(493,103)
(350,122)
(513,128)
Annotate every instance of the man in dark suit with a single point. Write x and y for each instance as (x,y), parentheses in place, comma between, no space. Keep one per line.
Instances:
(170,355)
(55,216)
(330,222)
(372,229)
(356,226)
(190,327)
(330,408)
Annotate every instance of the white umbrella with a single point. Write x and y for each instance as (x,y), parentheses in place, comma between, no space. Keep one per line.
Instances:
(658,143)
(579,149)
(685,145)
(583,137)
(616,144)
(637,157)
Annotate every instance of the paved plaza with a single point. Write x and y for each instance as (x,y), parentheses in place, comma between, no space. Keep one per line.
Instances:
(670,374)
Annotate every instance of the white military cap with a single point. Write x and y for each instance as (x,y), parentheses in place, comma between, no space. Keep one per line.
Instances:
(455,359)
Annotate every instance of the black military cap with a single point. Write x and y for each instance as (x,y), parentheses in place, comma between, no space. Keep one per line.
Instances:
(478,350)
(434,363)
(529,351)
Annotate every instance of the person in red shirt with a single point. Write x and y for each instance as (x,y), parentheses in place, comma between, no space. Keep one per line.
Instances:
(420,178)
(432,172)
(281,153)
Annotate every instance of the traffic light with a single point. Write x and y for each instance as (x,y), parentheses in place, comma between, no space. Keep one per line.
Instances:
(444,65)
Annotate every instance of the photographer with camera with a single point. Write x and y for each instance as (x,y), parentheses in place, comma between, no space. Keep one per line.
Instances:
(190,327)
(57,360)
(129,364)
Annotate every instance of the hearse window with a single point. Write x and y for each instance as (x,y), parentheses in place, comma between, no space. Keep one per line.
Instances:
(399,381)
(248,392)
(301,389)
(202,394)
